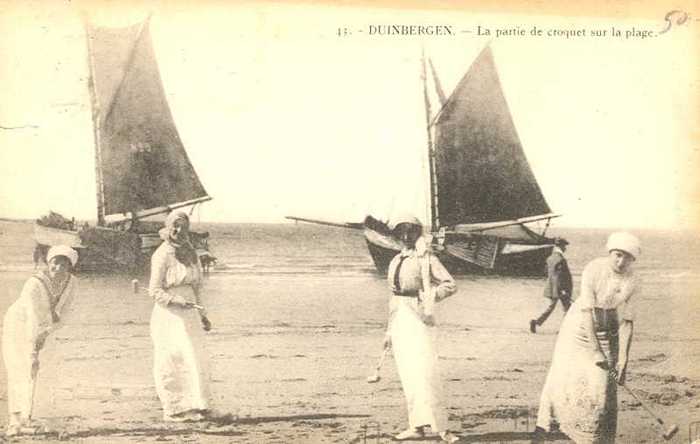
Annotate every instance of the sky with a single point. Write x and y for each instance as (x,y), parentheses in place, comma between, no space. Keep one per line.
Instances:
(281,116)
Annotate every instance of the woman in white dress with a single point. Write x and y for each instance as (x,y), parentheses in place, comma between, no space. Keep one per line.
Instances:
(418,280)
(40,310)
(180,366)
(591,352)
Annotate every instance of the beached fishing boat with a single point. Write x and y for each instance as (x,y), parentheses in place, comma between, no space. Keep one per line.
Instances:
(482,191)
(141,166)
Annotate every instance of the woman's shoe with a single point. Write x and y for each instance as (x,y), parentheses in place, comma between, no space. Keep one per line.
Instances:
(12,430)
(409,434)
(31,430)
(212,414)
(188,416)
(16,430)
(538,435)
(218,416)
(178,417)
(195,417)
(449,437)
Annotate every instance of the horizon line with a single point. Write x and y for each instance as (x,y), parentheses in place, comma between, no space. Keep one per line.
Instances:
(292,222)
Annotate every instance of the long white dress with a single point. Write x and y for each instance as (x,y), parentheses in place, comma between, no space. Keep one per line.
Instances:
(413,342)
(39,311)
(180,366)
(578,395)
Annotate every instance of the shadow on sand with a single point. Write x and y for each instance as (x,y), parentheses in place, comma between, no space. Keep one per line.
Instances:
(497,437)
(512,437)
(210,427)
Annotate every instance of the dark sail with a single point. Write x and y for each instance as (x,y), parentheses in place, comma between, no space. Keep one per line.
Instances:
(142,161)
(482,172)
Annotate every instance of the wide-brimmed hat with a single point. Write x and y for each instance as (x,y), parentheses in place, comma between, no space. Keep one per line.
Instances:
(175,215)
(63,250)
(626,242)
(404,219)
(560,242)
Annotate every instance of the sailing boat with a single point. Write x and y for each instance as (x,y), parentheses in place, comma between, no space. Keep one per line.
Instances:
(141,166)
(482,190)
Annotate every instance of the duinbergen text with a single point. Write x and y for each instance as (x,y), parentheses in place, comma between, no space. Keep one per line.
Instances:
(411,30)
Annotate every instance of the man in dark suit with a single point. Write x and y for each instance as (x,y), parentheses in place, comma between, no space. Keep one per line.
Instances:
(559,283)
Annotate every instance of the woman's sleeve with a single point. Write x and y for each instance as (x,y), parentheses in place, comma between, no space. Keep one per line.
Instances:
(390,273)
(65,308)
(445,283)
(390,279)
(197,285)
(587,298)
(156,285)
(627,310)
(37,319)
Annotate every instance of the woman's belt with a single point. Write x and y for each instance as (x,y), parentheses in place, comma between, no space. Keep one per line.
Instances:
(186,291)
(407,293)
(606,320)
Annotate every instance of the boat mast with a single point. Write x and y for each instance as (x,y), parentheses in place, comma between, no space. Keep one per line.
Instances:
(433,186)
(95,127)
(438,87)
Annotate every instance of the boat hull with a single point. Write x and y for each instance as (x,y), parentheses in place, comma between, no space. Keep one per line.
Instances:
(510,257)
(106,250)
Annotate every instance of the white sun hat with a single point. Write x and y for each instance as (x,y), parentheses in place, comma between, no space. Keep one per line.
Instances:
(63,250)
(626,242)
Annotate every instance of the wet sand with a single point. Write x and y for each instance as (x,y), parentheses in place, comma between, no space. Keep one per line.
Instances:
(291,354)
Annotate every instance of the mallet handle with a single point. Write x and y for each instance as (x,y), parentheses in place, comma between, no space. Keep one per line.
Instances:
(381,359)
(634,395)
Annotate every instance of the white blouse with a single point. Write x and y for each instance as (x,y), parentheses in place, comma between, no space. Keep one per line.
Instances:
(602,287)
(167,272)
(36,303)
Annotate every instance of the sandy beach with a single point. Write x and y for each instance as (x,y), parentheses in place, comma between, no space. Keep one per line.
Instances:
(295,372)
(291,351)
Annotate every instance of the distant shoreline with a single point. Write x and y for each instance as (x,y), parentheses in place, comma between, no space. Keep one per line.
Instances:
(284,222)
(7,219)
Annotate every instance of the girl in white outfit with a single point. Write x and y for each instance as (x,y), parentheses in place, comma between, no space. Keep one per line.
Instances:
(591,352)
(417,280)
(180,366)
(40,310)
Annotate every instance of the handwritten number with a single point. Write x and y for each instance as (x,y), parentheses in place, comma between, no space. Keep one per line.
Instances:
(681,18)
